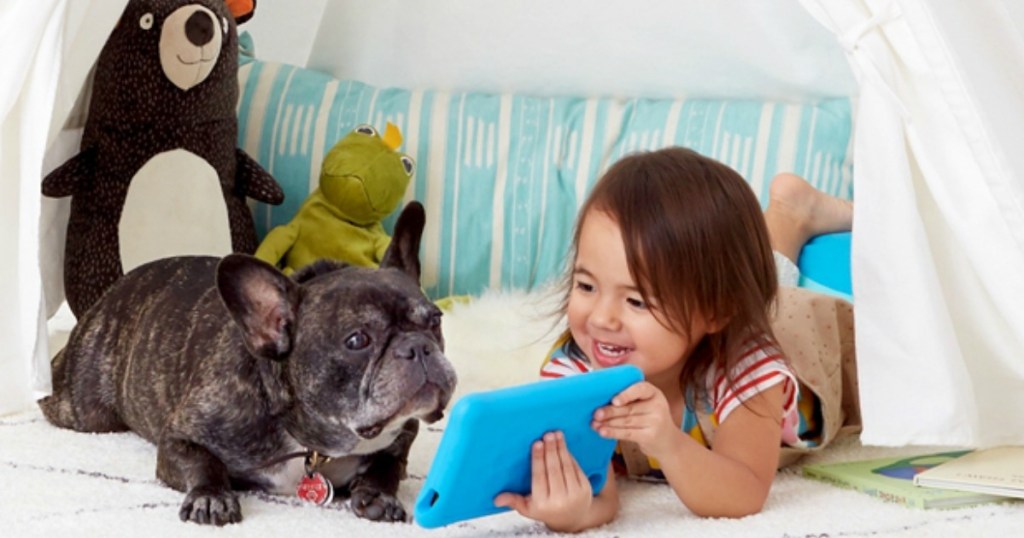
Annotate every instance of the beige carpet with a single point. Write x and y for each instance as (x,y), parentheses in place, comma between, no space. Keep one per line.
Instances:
(55,482)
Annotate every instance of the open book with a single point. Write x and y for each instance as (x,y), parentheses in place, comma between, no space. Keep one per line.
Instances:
(892,479)
(995,471)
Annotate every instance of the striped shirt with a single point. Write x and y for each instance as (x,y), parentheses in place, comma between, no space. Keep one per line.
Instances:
(760,367)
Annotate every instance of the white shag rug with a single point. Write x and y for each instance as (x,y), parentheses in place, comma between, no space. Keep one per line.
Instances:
(56,482)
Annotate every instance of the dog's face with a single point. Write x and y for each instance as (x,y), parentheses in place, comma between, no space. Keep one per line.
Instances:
(363,347)
(374,359)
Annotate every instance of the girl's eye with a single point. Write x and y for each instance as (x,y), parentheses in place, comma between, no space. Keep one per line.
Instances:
(636,303)
(583,286)
(357,340)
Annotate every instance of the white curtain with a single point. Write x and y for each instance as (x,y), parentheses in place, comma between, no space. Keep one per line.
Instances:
(49,47)
(938,247)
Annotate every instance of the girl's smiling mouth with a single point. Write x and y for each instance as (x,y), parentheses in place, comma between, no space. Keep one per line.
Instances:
(608,355)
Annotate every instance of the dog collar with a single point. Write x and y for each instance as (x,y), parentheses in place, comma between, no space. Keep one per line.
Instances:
(313,487)
(308,454)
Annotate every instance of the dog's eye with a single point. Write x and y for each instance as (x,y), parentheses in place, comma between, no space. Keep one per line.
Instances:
(357,340)
(435,321)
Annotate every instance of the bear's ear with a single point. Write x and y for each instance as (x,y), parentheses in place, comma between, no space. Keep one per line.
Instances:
(241,10)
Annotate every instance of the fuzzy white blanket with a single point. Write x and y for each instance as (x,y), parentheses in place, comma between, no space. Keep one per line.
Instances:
(56,482)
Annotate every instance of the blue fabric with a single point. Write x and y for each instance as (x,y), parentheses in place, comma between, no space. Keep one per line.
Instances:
(502,176)
(825,265)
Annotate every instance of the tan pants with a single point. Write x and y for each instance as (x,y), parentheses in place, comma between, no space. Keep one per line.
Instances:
(815,332)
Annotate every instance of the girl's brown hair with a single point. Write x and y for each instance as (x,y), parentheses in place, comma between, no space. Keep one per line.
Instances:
(696,244)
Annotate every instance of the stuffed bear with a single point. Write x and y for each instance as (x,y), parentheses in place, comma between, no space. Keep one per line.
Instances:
(362,180)
(159,172)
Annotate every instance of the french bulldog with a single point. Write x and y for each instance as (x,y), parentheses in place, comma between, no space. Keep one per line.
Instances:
(231,368)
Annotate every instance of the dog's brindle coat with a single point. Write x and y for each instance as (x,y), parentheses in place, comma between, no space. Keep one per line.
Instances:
(227,365)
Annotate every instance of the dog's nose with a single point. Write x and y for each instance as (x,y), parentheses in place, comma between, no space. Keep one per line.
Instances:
(415,352)
(199,28)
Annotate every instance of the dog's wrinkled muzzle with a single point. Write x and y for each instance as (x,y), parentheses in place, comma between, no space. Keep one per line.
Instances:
(413,380)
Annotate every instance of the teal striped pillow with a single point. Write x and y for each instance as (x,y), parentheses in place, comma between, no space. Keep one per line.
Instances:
(502,176)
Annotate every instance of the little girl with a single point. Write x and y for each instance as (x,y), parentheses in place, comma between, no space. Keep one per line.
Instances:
(674,272)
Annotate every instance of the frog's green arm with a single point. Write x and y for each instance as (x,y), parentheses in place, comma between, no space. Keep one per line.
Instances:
(278,242)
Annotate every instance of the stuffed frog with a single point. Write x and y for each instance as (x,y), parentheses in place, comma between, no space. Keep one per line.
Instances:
(362,180)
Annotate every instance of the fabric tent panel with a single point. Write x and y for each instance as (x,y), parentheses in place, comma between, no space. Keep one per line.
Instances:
(934,253)
(59,39)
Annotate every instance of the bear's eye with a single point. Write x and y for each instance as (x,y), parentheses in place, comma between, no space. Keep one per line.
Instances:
(146,21)
(366,130)
(357,340)
(408,164)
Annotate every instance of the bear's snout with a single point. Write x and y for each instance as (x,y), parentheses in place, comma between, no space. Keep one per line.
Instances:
(190,44)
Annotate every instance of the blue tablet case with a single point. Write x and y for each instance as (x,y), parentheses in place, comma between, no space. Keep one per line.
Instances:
(485,449)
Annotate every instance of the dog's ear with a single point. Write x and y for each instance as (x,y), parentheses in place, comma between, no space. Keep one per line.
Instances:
(404,251)
(262,302)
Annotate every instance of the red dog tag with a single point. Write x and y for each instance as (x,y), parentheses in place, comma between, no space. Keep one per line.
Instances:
(315,488)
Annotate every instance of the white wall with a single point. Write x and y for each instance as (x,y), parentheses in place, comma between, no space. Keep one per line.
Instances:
(283,30)
(655,48)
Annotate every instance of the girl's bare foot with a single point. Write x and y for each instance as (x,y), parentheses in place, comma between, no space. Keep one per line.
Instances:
(797,212)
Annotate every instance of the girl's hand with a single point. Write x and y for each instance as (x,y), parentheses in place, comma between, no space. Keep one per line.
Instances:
(639,414)
(560,494)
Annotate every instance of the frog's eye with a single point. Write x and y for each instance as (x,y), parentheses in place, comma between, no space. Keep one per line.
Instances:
(224,25)
(408,164)
(366,130)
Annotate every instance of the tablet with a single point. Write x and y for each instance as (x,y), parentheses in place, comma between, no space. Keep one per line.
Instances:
(485,449)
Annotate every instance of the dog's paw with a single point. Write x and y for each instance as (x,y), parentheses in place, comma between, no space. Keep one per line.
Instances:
(211,506)
(375,505)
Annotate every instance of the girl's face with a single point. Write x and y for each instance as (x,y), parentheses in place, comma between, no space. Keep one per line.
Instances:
(607,316)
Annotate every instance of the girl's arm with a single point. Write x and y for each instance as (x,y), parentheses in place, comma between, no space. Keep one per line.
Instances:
(560,494)
(730,480)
